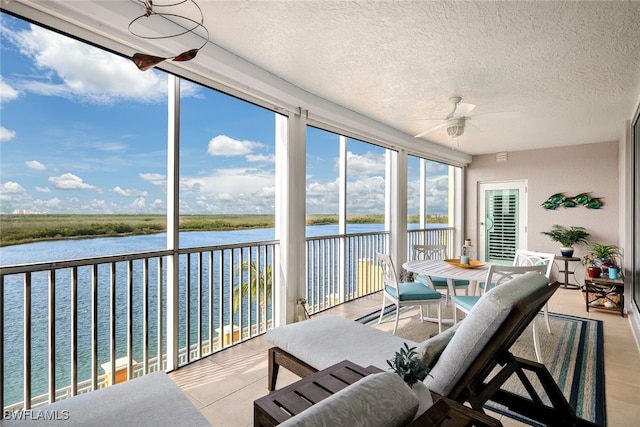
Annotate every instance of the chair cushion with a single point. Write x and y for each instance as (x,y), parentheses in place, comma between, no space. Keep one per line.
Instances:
(440,282)
(325,340)
(478,328)
(413,291)
(149,401)
(466,303)
(379,399)
(429,351)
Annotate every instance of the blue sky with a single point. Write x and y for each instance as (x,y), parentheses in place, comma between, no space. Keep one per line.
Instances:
(84,131)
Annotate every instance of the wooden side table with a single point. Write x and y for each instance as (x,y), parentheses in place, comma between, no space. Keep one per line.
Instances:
(567,272)
(280,405)
(609,290)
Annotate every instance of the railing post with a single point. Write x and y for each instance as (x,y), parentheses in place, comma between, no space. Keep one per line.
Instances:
(27,341)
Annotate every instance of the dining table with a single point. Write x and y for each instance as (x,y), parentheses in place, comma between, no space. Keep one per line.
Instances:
(450,270)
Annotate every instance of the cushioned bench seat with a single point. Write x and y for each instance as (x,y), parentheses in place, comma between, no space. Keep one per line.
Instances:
(326,340)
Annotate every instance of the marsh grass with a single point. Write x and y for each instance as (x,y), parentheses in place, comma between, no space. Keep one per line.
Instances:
(20,229)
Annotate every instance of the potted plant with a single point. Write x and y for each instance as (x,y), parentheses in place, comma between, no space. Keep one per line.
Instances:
(408,366)
(567,237)
(599,258)
(413,372)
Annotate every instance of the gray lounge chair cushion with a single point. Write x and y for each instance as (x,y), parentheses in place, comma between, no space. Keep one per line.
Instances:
(151,400)
(478,328)
(323,341)
(429,351)
(376,400)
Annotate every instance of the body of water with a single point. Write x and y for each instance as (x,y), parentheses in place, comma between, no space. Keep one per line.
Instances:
(84,248)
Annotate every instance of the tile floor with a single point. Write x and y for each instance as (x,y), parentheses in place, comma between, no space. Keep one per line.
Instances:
(224,386)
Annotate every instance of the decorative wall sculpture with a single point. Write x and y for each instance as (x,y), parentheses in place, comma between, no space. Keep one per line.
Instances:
(559,200)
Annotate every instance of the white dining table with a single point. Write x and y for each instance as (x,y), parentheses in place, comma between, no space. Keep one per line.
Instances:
(441,268)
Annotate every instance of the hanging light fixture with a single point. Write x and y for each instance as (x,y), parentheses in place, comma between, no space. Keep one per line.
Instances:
(455,127)
(144,61)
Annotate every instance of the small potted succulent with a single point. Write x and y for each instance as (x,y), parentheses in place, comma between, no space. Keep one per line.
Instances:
(567,237)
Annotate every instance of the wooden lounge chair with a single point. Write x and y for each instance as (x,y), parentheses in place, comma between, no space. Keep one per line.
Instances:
(462,371)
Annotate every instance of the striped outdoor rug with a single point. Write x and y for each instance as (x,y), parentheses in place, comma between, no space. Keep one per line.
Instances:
(573,353)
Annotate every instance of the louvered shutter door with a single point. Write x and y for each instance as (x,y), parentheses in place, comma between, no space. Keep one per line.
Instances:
(502,221)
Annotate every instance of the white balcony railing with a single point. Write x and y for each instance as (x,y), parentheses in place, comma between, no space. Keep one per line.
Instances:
(65,326)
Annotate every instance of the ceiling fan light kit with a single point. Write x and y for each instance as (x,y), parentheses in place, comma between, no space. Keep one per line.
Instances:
(455,127)
(456,121)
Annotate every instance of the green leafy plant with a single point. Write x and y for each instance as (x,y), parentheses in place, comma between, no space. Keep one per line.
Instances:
(598,251)
(568,236)
(408,366)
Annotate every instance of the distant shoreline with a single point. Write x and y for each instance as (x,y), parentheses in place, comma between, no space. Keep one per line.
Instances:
(20,229)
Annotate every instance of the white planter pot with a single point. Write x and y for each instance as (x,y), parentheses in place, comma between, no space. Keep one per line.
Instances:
(423,394)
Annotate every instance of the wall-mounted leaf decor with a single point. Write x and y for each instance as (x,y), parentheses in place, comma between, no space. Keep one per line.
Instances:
(559,200)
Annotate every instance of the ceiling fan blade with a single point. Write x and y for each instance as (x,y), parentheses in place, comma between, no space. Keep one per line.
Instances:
(497,116)
(430,130)
(463,109)
(472,125)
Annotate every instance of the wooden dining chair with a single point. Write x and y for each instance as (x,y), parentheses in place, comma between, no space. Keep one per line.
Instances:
(406,294)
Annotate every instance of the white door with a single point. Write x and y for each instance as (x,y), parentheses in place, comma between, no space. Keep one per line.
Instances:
(502,219)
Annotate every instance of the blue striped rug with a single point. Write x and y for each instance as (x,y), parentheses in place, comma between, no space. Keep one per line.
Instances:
(573,353)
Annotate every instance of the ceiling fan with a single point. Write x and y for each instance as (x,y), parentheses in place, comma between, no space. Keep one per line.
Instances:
(457,119)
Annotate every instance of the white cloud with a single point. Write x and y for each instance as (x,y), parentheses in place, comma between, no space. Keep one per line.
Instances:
(11,187)
(6,134)
(7,93)
(223,145)
(129,192)
(263,158)
(364,196)
(43,189)
(69,181)
(14,196)
(84,71)
(35,165)
(322,197)
(53,203)
(111,146)
(365,165)
(139,203)
(229,191)
(157,204)
(153,178)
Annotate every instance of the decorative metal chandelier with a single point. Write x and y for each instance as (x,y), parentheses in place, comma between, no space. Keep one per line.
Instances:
(144,61)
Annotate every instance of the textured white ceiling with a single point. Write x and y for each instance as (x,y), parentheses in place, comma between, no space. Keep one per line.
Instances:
(572,69)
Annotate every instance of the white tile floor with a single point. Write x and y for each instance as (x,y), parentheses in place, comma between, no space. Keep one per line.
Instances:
(224,386)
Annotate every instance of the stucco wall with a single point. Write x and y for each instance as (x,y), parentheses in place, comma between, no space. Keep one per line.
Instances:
(571,170)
